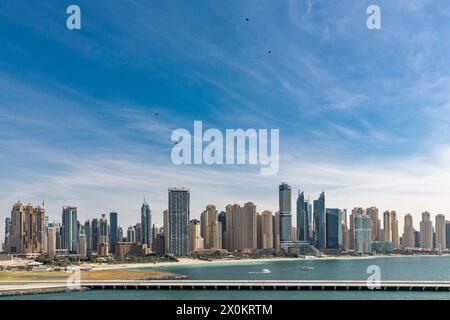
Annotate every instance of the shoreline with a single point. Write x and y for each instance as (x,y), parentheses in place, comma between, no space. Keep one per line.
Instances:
(218,262)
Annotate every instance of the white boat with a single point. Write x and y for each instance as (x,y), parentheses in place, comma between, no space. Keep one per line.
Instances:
(307,268)
(260,272)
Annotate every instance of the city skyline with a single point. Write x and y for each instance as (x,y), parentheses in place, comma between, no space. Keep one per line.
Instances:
(363,114)
(158,218)
(239,227)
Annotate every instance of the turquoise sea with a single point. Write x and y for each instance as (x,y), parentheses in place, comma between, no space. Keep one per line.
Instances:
(392,268)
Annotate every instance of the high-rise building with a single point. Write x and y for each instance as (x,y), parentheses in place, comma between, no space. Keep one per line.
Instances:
(26,229)
(426,232)
(309,207)
(447,234)
(160,243)
(155,232)
(7,231)
(242,227)
(166,230)
(131,234)
(440,232)
(103,231)
(58,240)
(248,227)
(372,212)
(294,234)
(344,230)
(265,230)
(41,234)
(146,224)
(302,218)
(179,211)
(113,231)
(355,212)
(320,223)
(88,235)
(120,237)
(138,232)
(211,228)
(276,231)
(285,201)
(82,252)
(231,232)
(333,229)
(387,224)
(223,220)
(195,239)
(69,229)
(408,232)
(51,241)
(394,231)
(95,234)
(363,234)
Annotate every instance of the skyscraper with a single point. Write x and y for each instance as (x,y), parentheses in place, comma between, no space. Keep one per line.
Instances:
(426,232)
(223,220)
(82,251)
(265,230)
(103,231)
(372,212)
(179,211)
(231,233)
(131,234)
(344,230)
(333,229)
(88,234)
(27,229)
(408,232)
(95,234)
(138,232)
(387,225)
(276,231)
(248,227)
(302,218)
(51,241)
(394,231)
(41,234)
(242,227)
(166,230)
(363,234)
(211,228)
(146,224)
(440,232)
(320,222)
(69,230)
(120,237)
(7,231)
(447,234)
(155,232)
(195,239)
(113,232)
(285,212)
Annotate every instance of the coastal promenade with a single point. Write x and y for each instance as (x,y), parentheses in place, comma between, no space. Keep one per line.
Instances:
(24,287)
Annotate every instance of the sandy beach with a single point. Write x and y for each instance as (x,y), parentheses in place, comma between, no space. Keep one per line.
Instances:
(197,262)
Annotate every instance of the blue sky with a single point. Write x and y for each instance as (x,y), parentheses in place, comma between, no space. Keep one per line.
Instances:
(363,114)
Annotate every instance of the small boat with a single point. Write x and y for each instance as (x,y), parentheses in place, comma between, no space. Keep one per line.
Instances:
(307,268)
(260,272)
